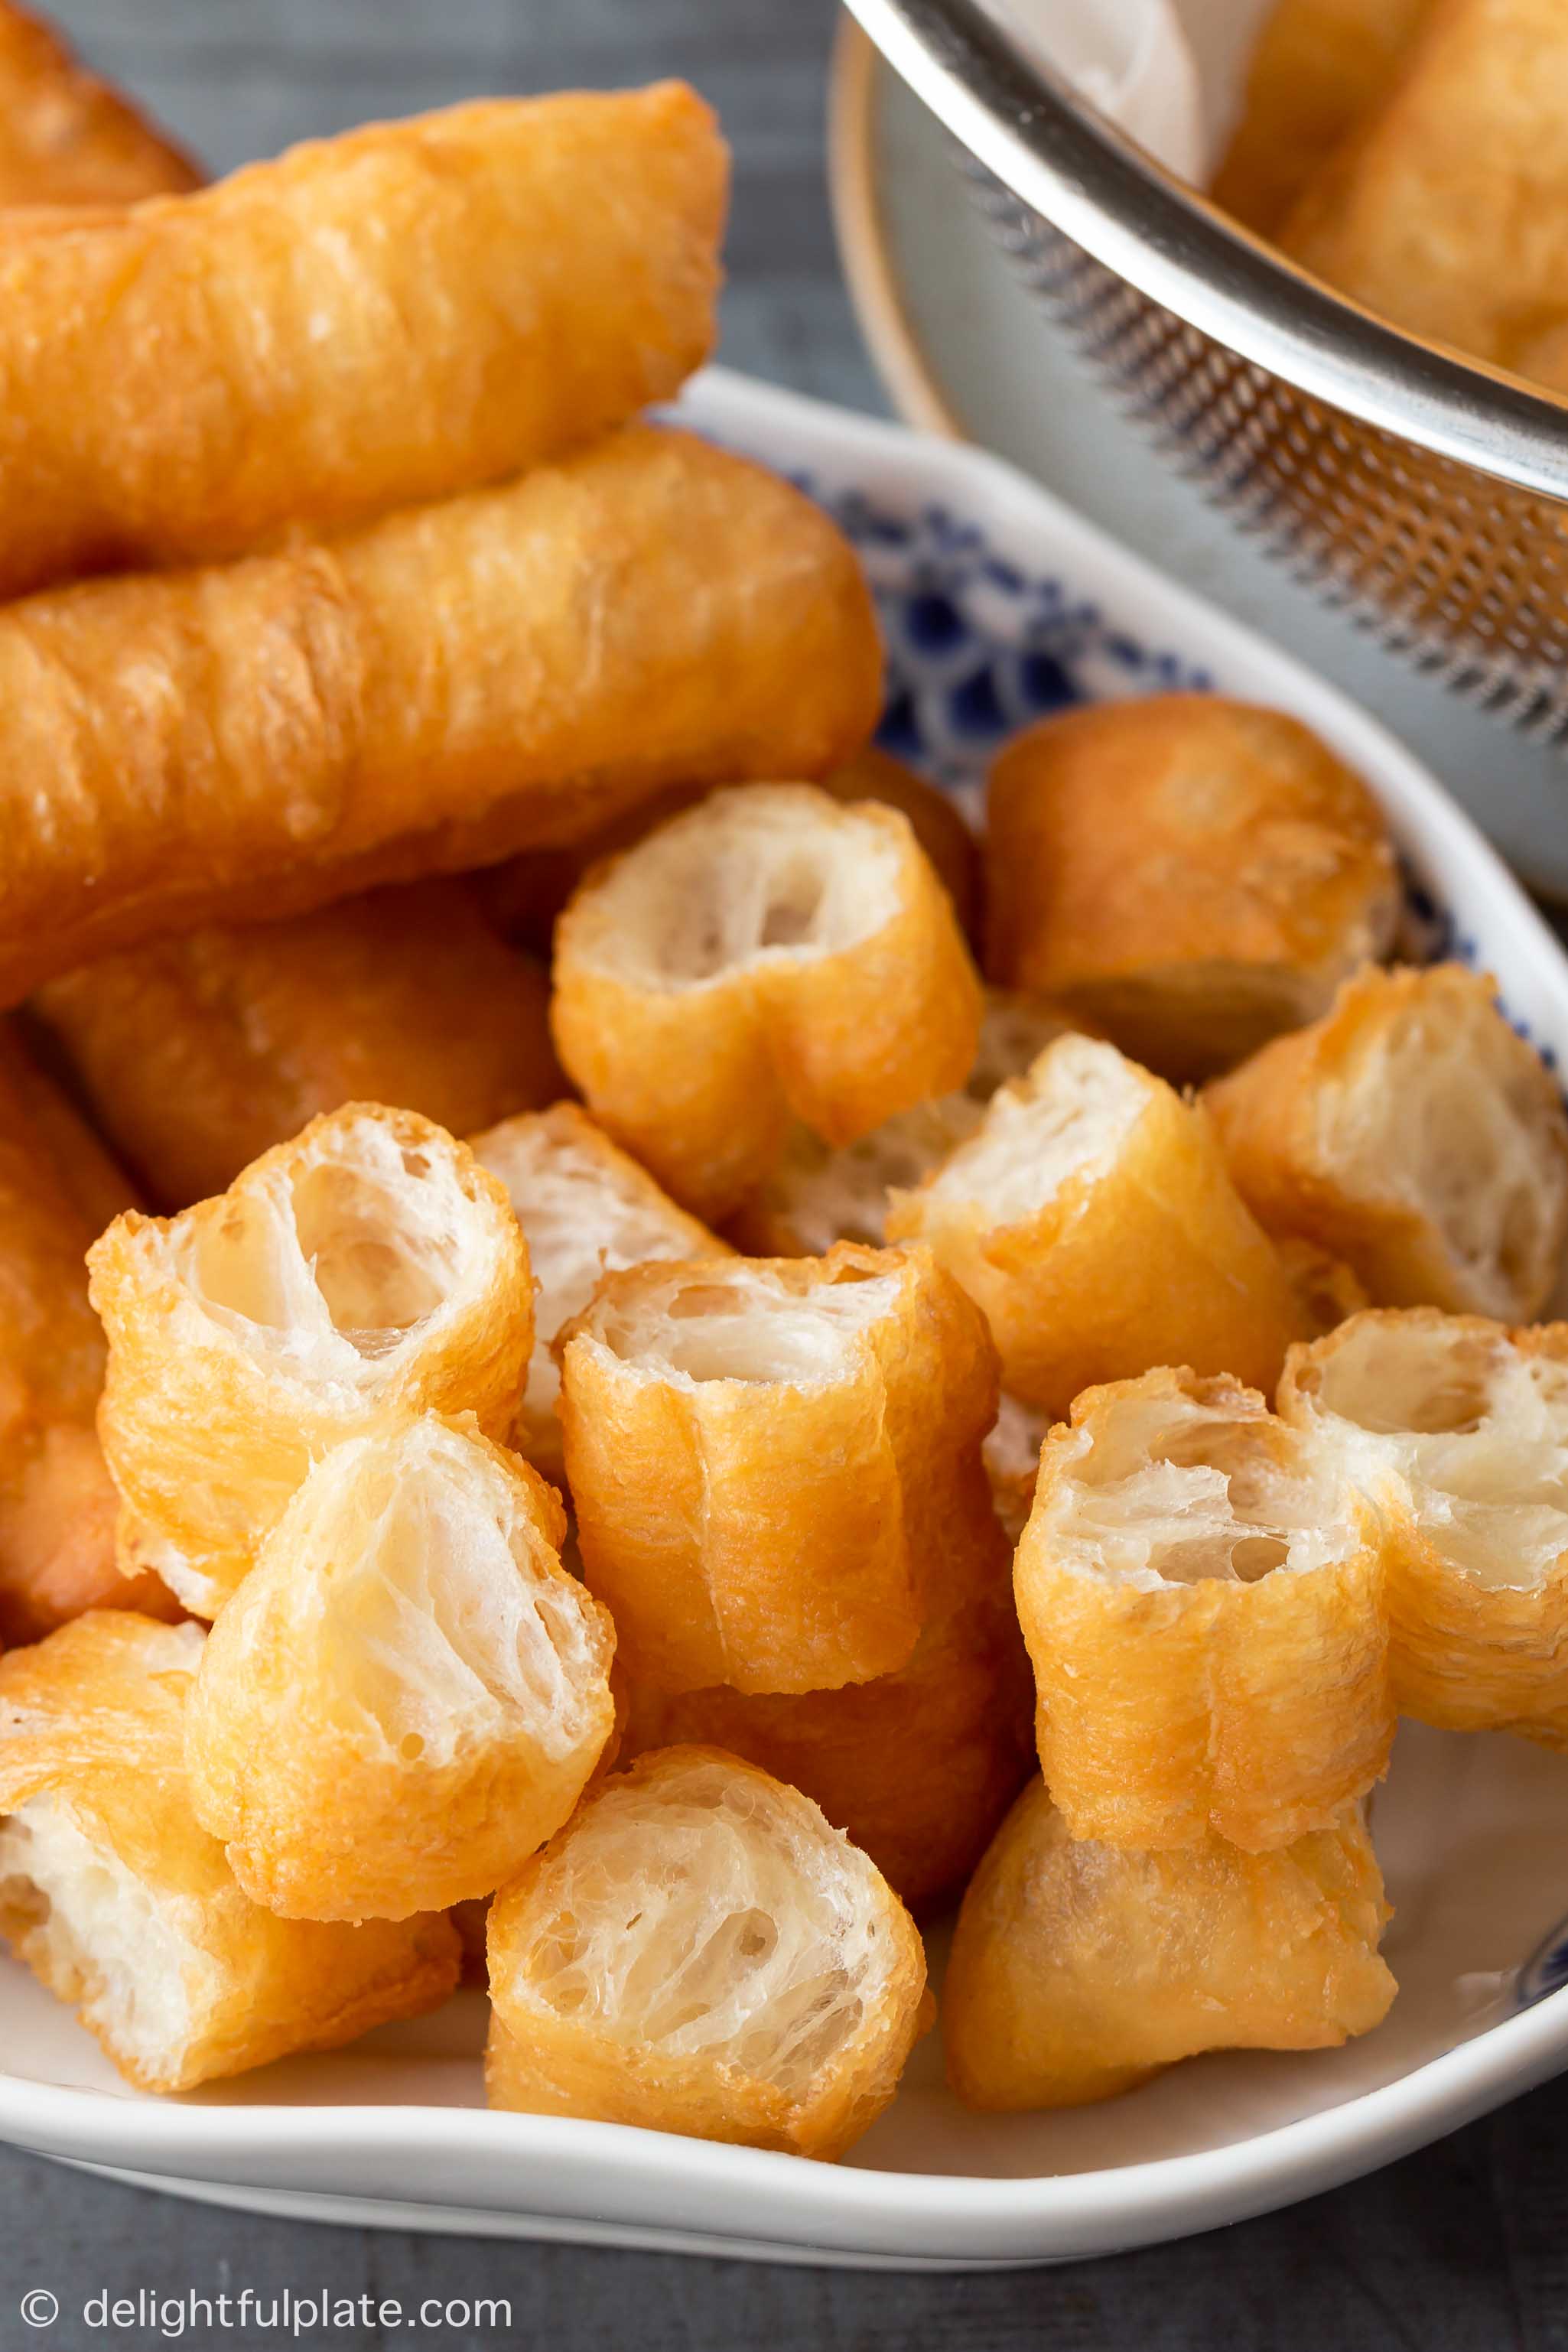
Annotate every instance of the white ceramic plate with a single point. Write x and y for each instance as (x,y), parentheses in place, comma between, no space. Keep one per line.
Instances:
(999,603)
(964,348)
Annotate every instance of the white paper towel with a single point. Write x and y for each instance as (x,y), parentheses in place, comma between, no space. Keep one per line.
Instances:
(1169,71)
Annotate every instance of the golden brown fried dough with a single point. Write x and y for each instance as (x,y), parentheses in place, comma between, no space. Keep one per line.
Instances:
(776,1463)
(816,1195)
(248,743)
(68,138)
(1317,71)
(369,1266)
(199,1053)
(1457,1430)
(408,1692)
(394,315)
(1202,1590)
(524,897)
(58,1504)
(1412,1133)
(1188,874)
(586,1210)
(1446,213)
(1091,1219)
(1079,1970)
(769,955)
(124,1907)
(698,1952)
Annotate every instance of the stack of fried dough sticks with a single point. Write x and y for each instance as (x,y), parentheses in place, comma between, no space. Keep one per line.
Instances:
(631,1212)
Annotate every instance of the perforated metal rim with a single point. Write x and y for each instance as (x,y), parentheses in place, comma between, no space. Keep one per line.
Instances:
(1064,161)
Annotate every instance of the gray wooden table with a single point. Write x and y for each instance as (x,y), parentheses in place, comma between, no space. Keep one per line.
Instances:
(1462,2249)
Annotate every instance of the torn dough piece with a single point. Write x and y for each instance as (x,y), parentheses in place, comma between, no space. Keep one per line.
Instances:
(368,1266)
(769,955)
(1202,1590)
(1079,1970)
(123,1904)
(698,1952)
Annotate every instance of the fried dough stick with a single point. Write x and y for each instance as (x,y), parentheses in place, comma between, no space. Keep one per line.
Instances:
(199,1053)
(68,138)
(444,687)
(57,1506)
(1318,70)
(404,313)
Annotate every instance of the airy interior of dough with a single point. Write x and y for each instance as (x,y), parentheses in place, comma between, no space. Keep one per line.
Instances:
(333,1266)
(829,1196)
(702,1910)
(1441,1108)
(1167,1489)
(743,1322)
(771,871)
(1067,1118)
(582,1216)
(442,1629)
(97,1934)
(1478,1427)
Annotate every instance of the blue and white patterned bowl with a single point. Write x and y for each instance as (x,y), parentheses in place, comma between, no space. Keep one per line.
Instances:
(999,604)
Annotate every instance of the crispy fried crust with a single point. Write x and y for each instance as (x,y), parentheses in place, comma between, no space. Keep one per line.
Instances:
(1446,212)
(199,1053)
(1188,874)
(698,1951)
(776,1463)
(1091,1219)
(248,743)
(768,955)
(1413,1135)
(1458,1428)
(937,821)
(916,1768)
(1317,71)
(1203,1595)
(815,1195)
(408,1692)
(586,1209)
(58,1504)
(123,1905)
(1079,1970)
(403,313)
(68,138)
(368,1266)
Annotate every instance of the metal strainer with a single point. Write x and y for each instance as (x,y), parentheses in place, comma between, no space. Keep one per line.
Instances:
(1427,495)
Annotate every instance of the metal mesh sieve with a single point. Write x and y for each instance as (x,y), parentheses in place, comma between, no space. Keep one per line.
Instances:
(1423,494)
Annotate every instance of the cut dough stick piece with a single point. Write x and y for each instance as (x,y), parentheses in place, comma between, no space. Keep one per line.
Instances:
(1447,211)
(1457,1430)
(1079,1970)
(524,897)
(248,743)
(408,1692)
(768,955)
(816,1195)
(700,1952)
(1188,874)
(1091,1218)
(916,1768)
(369,1266)
(1202,1590)
(586,1210)
(122,1904)
(198,1053)
(68,138)
(394,315)
(1317,70)
(776,1463)
(58,1504)
(1416,1136)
